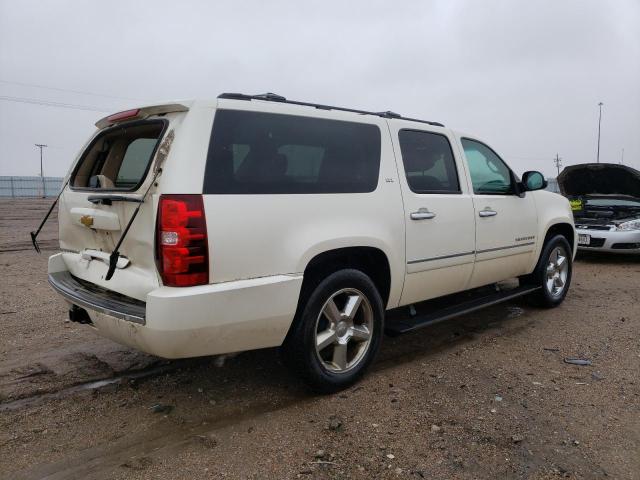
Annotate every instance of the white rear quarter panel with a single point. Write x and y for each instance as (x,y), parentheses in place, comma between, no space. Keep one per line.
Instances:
(258,235)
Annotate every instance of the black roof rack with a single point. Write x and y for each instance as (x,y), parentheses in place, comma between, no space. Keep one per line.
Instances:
(272,97)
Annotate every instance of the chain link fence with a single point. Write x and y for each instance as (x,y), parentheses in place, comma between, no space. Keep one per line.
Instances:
(13,187)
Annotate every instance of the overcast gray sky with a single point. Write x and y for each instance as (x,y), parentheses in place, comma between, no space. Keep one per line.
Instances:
(524,75)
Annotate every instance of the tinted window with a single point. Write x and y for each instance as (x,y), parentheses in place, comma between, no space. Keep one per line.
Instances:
(489,174)
(258,153)
(428,162)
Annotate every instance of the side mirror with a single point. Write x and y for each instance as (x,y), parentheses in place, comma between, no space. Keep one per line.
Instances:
(533,181)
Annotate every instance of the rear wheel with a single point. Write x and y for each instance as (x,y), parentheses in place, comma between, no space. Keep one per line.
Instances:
(553,273)
(336,333)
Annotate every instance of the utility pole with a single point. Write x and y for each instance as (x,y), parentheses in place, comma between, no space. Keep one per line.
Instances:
(558,162)
(622,157)
(599,121)
(41,146)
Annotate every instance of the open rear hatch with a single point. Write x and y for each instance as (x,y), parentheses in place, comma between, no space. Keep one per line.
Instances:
(106,186)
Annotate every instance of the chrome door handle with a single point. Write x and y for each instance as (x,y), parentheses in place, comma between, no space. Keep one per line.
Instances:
(487,212)
(422,214)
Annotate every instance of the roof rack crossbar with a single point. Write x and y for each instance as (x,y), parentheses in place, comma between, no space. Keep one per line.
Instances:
(272,97)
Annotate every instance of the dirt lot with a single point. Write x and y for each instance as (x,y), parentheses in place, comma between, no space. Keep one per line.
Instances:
(484,396)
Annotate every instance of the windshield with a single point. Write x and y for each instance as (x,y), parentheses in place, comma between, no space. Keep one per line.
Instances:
(612,202)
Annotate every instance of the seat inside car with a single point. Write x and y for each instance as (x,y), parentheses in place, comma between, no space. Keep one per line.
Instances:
(263,163)
(417,161)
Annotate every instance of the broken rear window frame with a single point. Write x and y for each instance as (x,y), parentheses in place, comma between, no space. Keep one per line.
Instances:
(165,124)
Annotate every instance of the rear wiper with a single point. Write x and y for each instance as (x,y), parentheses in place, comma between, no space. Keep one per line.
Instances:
(35,234)
(107,199)
(113,258)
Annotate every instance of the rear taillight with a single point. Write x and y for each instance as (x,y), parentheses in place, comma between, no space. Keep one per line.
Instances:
(182,249)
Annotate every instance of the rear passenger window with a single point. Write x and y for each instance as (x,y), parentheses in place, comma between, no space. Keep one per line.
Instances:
(428,162)
(262,153)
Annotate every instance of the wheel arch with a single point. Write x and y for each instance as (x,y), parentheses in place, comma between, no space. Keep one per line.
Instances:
(562,228)
(559,227)
(554,217)
(372,261)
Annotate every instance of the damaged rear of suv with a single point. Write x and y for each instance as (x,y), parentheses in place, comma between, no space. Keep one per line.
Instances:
(108,213)
(605,199)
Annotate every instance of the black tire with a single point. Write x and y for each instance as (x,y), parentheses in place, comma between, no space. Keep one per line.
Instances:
(545,297)
(299,348)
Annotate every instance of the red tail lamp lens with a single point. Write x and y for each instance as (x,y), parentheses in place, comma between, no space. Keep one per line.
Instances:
(182,248)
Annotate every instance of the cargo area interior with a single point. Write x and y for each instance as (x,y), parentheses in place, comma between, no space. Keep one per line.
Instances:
(119,158)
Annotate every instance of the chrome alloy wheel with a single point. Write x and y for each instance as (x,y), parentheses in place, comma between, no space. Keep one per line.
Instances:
(557,271)
(343,330)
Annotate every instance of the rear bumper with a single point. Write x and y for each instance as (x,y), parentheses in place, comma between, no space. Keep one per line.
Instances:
(92,297)
(189,322)
(611,241)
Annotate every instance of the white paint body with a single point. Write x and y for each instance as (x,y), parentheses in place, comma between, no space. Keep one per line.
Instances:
(260,245)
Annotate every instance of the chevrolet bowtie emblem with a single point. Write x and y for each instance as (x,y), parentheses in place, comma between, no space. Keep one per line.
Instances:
(86,220)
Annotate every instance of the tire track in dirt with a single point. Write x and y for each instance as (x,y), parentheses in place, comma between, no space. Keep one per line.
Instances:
(166,438)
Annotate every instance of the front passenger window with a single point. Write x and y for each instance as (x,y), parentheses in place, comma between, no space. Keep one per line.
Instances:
(489,174)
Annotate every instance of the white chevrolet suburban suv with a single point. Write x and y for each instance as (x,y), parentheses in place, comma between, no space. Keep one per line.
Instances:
(209,227)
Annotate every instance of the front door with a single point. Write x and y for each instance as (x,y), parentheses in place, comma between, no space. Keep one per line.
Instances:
(506,222)
(439,213)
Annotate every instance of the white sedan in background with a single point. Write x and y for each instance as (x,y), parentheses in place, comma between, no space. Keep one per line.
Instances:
(605,199)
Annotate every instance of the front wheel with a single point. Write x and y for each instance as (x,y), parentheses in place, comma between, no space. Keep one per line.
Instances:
(337,333)
(553,273)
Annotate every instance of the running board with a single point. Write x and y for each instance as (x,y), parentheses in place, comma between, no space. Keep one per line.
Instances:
(397,326)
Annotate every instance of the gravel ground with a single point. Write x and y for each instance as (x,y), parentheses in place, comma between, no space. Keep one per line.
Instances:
(486,395)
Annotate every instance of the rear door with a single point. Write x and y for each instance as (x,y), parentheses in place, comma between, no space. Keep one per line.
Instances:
(106,185)
(506,222)
(439,215)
